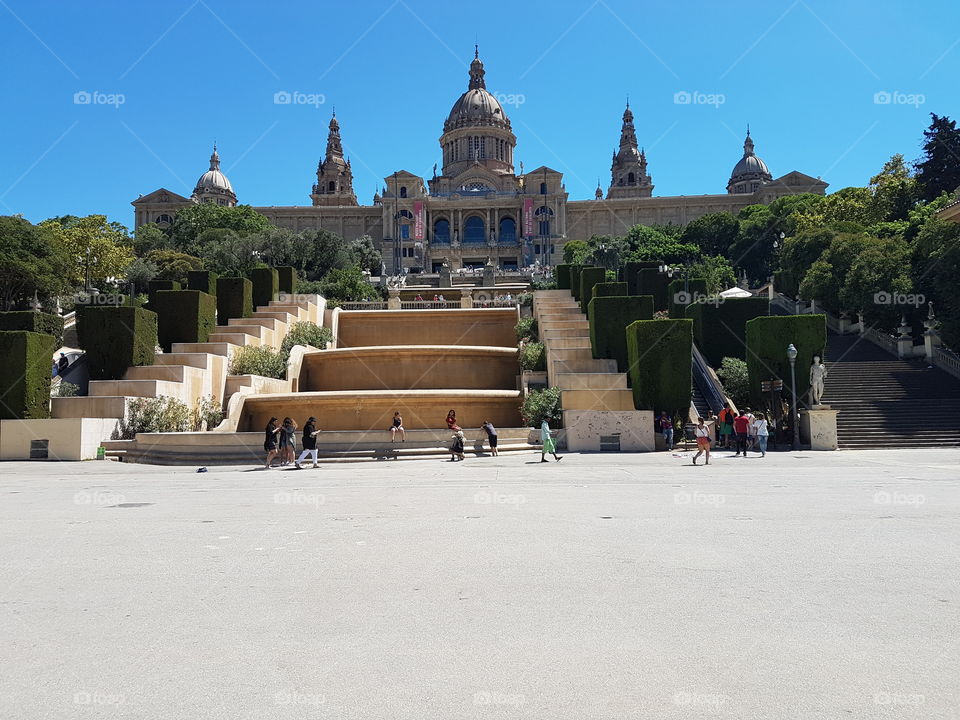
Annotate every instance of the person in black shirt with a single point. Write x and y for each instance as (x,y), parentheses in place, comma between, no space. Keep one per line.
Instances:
(270,441)
(309,443)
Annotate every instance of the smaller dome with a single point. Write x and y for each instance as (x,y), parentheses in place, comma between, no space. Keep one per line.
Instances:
(213,180)
(749,167)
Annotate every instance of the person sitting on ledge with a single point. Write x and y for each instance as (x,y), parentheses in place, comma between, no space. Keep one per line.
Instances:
(397,427)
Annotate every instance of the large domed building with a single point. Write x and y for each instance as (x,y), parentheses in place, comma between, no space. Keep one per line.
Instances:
(478,207)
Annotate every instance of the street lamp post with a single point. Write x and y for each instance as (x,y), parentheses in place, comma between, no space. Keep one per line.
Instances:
(396,226)
(792,357)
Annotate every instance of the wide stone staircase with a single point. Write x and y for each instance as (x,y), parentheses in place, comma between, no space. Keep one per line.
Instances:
(887,402)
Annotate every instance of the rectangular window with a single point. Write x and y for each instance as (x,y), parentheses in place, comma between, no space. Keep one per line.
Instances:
(405,232)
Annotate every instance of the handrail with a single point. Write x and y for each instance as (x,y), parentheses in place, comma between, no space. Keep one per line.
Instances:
(946,360)
(708,382)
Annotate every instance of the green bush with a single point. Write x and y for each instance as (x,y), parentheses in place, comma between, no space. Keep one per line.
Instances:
(767,341)
(25,380)
(67,389)
(35,322)
(719,328)
(681,293)
(533,356)
(286,279)
(609,318)
(116,338)
(206,415)
(735,378)
(660,365)
(628,274)
(202,280)
(588,278)
(266,285)
(540,405)
(184,316)
(527,327)
(101,300)
(525,299)
(609,289)
(155,286)
(154,415)
(234,298)
(575,280)
(650,281)
(305,333)
(260,360)
(562,274)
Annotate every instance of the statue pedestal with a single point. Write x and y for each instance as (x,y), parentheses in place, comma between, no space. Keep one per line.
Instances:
(818,427)
(466,298)
(393,299)
(445,279)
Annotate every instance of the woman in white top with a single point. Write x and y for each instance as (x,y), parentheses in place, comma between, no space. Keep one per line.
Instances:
(702,433)
(760,430)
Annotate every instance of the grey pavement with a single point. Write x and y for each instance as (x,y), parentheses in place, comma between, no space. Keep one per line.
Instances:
(803,585)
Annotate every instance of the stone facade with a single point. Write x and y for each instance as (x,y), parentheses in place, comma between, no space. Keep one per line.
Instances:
(478,208)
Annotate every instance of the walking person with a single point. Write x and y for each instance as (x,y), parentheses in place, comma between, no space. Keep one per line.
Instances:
(456,448)
(292,441)
(751,430)
(665,425)
(283,451)
(309,443)
(491,436)
(270,441)
(741,426)
(762,433)
(397,427)
(546,440)
(702,433)
(726,425)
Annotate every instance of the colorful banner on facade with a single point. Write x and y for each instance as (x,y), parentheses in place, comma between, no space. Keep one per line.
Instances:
(528,216)
(418,220)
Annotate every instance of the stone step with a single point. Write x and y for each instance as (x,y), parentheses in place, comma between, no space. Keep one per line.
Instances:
(234,338)
(224,349)
(167,373)
(566,342)
(280,315)
(104,406)
(254,329)
(268,322)
(616,399)
(197,360)
(133,388)
(298,311)
(591,381)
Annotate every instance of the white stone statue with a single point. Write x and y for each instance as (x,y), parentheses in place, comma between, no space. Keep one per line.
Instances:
(817,374)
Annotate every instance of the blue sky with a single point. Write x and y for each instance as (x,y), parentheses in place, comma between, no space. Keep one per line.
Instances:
(805,74)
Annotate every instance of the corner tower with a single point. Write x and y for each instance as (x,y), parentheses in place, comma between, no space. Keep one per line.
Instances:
(334,184)
(628,171)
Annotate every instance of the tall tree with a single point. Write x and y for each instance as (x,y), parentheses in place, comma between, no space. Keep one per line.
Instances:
(895,191)
(31,261)
(191,222)
(938,171)
(714,234)
(99,249)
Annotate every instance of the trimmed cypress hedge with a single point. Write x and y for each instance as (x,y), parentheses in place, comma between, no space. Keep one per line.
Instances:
(660,365)
(266,284)
(767,341)
(35,322)
(562,274)
(609,318)
(234,298)
(80,308)
(575,280)
(589,277)
(202,280)
(719,329)
(25,380)
(676,290)
(118,337)
(184,316)
(609,289)
(154,286)
(286,279)
(628,274)
(650,281)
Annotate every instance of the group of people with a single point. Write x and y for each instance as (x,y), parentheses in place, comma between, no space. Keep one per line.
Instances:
(458,439)
(280,442)
(741,431)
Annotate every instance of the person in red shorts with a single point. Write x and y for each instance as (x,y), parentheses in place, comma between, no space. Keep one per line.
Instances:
(702,433)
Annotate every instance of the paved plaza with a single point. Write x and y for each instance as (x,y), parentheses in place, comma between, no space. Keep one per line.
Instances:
(805,585)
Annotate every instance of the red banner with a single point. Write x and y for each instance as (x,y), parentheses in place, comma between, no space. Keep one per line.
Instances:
(418,220)
(528,216)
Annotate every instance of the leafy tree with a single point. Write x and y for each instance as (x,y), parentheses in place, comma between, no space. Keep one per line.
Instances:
(150,237)
(605,251)
(305,333)
(935,267)
(140,272)
(191,222)
(753,249)
(367,254)
(106,245)
(575,252)
(849,205)
(346,285)
(881,266)
(31,261)
(717,272)
(736,382)
(714,234)
(798,254)
(894,191)
(826,278)
(172,265)
(227,253)
(938,171)
(650,244)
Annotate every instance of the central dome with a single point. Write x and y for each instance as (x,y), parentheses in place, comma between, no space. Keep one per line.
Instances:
(476,107)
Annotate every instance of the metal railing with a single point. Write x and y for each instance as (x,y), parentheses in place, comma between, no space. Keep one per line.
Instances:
(363,305)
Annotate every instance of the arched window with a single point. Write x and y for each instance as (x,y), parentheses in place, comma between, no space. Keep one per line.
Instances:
(473,230)
(403,191)
(543,188)
(543,215)
(441,231)
(331,186)
(508,230)
(631,178)
(164,219)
